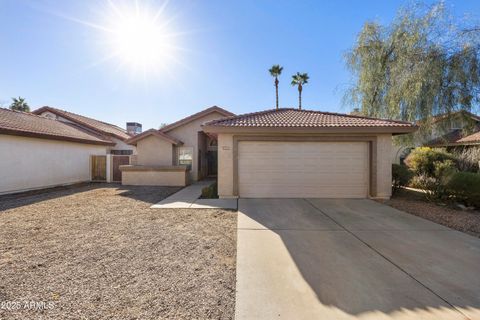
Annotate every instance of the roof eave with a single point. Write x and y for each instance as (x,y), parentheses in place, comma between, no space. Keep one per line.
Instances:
(86,125)
(53,137)
(196,116)
(391,130)
(133,140)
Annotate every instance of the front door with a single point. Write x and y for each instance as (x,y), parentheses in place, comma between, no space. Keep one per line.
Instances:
(212,163)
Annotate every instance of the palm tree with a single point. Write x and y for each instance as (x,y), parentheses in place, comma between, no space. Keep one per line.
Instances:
(300,79)
(275,71)
(19,104)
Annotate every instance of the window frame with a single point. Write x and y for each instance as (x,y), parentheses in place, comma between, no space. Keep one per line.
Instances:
(181,153)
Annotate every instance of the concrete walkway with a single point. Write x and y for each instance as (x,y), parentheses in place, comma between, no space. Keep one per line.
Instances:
(188,197)
(351,259)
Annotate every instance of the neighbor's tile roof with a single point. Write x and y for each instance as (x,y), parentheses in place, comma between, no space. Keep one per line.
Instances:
(290,117)
(473,138)
(28,124)
(100,126)
(455,138)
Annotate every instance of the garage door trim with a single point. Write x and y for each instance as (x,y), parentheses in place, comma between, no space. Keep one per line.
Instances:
(372,152)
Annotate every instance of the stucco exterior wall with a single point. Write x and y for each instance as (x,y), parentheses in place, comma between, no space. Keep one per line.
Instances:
(188,134)
(31,163)
(155,178)
(226,165)
(121,145)
(154,151)
(384,166)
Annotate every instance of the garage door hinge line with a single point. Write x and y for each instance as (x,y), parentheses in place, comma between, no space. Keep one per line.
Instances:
(386,258)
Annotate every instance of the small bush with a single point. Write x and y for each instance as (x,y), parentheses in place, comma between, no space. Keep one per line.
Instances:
(468,159)
(422,160)
(444,169)
(210,192)
(435,185)
(465,187)
(400,176)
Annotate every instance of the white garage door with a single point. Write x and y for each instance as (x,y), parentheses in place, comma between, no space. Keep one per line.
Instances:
(302,169)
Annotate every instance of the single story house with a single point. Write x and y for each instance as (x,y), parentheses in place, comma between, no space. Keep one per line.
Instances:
(114,133)
(272,153)
(38,152)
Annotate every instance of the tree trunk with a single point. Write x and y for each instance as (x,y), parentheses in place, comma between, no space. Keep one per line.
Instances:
(300,97)
(276,91)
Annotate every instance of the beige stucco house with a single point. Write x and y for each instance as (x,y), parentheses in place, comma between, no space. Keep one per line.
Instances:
(273,153)
(38,152)
(177,154)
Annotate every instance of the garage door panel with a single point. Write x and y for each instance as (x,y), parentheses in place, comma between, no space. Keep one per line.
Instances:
(302,169)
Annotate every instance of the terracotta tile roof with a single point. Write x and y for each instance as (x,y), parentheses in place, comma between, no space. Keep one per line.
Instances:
(195,116)
(100,126)
(455,138)
(28,124)
(290,117)
(473,138)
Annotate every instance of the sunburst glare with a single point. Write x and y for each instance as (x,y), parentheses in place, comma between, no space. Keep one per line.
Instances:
(137,36)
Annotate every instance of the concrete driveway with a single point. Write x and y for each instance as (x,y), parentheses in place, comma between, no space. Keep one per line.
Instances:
(351,259)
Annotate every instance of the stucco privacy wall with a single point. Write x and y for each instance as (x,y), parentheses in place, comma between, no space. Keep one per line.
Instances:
(31,163)
(154,178)
(154,151)
(188,134)
(226,167)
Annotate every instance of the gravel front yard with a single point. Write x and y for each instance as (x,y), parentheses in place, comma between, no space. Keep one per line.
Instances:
(98,251)
(414,203)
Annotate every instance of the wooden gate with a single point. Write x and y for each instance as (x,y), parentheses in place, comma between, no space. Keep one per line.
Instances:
(117,161)
(99,168)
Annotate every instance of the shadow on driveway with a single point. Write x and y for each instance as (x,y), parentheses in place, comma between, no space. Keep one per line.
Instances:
(348,259)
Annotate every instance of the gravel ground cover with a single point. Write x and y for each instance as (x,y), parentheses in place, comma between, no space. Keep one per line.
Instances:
(98,252)
(414,203)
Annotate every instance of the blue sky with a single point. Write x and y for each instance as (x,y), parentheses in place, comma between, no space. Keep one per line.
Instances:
(50,58)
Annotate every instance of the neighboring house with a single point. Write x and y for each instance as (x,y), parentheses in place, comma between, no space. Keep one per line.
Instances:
(462,129)
(112,132)
(273,153)
(459,130)
(176,154)
(38,152)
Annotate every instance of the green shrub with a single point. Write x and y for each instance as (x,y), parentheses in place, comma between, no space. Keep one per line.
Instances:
(210,192)
(435,185)
(400,176)
(443,170)
(422,160)
(465,187)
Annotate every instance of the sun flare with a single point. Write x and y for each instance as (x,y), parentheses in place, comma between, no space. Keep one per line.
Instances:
(139,39)
(136,35)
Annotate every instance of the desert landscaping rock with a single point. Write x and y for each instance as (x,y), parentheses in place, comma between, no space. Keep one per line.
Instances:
(461,220)
(98,251)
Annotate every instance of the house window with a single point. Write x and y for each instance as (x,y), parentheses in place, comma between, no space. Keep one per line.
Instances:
(185,156)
